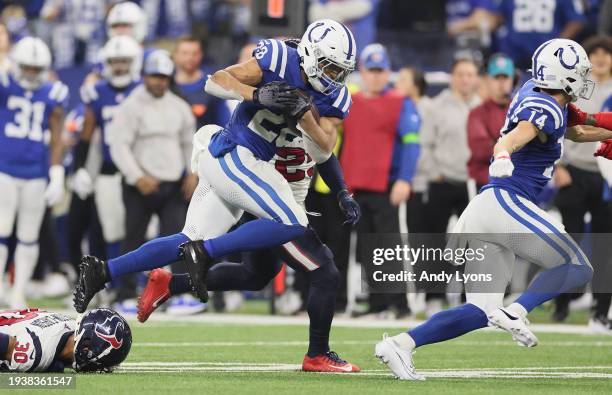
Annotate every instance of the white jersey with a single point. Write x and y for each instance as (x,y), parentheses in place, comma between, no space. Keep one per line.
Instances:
(40,337)
(292,161)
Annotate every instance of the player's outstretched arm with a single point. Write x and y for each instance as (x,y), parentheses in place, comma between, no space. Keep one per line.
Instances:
(235,82)
(322,133)
(587,134)
(516,139)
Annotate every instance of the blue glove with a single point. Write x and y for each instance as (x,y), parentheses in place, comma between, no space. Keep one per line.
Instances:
(349,206)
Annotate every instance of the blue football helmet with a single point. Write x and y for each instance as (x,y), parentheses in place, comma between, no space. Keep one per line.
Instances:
(102,341)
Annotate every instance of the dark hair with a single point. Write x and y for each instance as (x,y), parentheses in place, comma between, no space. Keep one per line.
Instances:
(418,78)
(459,61)
(596,42)
(188,39)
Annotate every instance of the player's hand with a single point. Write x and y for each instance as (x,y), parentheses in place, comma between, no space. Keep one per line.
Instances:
(147,185)
(82,184)
(300,103)
(562,178)
(604,149)
(55,189)
(350,208)
(276,95)
(400,192)
(575,116)
(190,182)
(502,166)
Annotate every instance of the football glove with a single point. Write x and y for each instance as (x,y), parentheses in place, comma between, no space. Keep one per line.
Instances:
(605,149)
(55,189)
(276,95)
(575,116)
(349,206)
(82,183)
(502,165)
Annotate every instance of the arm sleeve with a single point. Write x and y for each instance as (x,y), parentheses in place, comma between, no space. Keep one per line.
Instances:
(121,134)
(332,174)
(408,131)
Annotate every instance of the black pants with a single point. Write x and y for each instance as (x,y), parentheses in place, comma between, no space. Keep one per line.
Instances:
(444,199)
(336,236)
(83,221)
(585,194)
(168,203)
(379,216)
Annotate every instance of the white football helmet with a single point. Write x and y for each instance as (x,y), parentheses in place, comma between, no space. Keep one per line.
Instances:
(127,13)
(328,54)
(30,52)
(121,57)
(563,64)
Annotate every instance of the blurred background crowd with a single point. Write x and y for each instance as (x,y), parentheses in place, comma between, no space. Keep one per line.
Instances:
(434,81)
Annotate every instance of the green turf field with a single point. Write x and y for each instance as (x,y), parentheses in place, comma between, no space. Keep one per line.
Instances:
(204,358)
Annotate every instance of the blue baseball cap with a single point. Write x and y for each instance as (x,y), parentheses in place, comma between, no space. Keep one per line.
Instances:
(158,63)
(500,64)
(374,56)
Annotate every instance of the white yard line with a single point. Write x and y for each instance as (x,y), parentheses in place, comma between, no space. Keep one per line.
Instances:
(241,367)
(162,319)
(509,343)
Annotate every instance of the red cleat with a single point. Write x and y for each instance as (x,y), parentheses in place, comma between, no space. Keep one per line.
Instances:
(155,293)
(328,362)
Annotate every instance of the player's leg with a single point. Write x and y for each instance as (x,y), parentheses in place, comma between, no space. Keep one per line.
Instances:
(307,254)
(396,352)
(8,210)
(256,187)
(30,214)
(548,246)
(111,211)
(253,275)
(207,215)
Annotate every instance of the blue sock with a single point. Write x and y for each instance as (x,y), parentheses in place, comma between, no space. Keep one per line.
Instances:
(151,255)
(253,235)
(113,250)
(449,324)
(552,282)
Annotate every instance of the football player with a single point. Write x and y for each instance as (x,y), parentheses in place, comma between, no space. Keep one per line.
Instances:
(33,340)
(233,162)
(31,149)
(306,254)
(121,59)
(523,161)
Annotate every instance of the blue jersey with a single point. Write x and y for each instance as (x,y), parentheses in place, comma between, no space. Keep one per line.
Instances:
(534,163)
(607,106)
(24,126)
(460,9)
(103,99)
(206,108)
(258,128)
(529,23)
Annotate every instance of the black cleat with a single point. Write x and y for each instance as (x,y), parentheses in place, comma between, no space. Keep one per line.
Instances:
(93,275)
(198,263)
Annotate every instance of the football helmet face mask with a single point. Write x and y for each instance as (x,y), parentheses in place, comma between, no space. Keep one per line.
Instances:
(102,341)
(122,61)
(123,16)
(328,55)
(30,62)
(563,64)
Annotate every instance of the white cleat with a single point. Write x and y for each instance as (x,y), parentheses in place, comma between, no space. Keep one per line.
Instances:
(399,361)
(517,326)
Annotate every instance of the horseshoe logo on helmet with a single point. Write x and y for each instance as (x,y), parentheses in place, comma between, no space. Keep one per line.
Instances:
(327,30)
(559,54)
